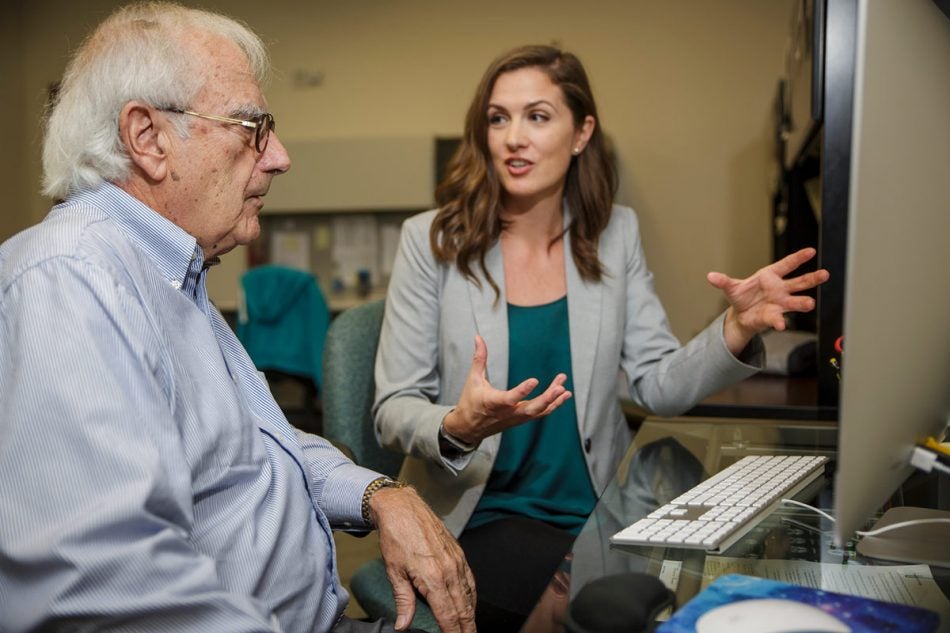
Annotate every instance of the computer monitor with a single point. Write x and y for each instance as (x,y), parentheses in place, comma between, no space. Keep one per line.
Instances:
(895,378)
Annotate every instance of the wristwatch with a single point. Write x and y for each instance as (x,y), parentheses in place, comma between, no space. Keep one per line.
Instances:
(371,489)
(451,446)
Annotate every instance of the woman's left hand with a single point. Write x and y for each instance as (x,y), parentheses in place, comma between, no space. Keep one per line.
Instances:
(760,302)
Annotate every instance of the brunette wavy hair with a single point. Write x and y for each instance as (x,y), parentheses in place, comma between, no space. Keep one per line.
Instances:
(469,197)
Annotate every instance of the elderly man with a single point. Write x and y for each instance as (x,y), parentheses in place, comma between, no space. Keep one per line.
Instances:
(148,480)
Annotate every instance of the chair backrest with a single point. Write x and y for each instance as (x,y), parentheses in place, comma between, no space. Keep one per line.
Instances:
(349,357)
(283,321)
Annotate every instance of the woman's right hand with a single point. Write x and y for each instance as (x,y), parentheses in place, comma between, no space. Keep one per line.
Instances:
(483,410)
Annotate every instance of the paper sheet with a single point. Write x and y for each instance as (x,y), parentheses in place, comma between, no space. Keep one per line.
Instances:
(355,247)
(669,576)
(905,584)
(291,249)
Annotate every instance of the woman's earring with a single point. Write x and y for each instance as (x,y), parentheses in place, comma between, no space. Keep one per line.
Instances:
(577,151)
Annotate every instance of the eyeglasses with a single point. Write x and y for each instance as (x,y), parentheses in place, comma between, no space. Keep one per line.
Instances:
(263,124)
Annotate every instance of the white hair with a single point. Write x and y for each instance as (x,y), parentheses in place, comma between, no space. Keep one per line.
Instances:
(140,52)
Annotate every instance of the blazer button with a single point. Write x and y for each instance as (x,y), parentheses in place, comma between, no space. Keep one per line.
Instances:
(587,445)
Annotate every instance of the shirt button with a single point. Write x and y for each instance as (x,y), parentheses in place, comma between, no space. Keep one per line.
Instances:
(587,445)
(176,284)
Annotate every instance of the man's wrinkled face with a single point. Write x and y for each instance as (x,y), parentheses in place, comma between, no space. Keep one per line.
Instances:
(219,177)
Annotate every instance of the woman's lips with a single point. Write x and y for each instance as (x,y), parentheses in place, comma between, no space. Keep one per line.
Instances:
(518,166)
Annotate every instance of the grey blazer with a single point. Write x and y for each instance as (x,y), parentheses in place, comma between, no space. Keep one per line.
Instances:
(616,325)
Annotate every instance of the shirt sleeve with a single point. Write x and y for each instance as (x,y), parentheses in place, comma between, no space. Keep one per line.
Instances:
(337,483)
(95,491)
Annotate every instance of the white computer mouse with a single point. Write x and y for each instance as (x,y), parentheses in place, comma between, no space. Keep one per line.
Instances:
(768,615)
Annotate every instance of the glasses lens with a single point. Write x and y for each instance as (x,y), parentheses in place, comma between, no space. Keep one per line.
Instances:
(265,123)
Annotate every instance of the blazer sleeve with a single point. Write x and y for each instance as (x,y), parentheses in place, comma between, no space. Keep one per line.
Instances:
(663,377)
(406,412)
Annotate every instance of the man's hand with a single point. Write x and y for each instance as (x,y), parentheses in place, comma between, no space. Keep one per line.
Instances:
(483,410)
(420,553)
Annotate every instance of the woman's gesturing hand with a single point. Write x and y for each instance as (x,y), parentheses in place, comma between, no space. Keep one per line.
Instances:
(483,410)
(760,301)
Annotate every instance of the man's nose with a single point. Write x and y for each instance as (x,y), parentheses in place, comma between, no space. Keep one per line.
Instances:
(275,158)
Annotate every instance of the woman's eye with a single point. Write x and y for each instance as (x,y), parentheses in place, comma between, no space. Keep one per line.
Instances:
(539,117)
(496,119)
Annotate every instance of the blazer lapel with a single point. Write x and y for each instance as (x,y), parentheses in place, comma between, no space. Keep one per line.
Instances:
(584,313)
(491,317)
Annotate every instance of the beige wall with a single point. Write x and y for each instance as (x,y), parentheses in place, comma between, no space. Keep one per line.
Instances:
(684,88)
(13,111)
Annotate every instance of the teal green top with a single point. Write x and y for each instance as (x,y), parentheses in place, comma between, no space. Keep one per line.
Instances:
(540,470)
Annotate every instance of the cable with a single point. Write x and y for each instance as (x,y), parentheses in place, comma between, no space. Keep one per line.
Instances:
(922,459)
(902,524)
(927,460)
(875,532)
(808,507)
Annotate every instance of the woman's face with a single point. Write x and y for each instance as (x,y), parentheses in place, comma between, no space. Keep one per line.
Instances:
(532,137)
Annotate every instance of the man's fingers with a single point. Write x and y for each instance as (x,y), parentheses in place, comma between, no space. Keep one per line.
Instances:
(461,589)
(405,599)
(446,612)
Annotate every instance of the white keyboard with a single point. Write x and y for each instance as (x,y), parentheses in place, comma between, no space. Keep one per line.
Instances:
(719,511)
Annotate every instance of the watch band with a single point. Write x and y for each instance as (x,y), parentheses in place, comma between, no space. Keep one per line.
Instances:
(371,489)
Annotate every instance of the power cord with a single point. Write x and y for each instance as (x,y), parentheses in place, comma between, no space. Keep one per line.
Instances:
(863,533)
(792,502)
(926,458)
(901,524)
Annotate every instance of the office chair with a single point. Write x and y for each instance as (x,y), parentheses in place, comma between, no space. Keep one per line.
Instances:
(348,391)
(282,324)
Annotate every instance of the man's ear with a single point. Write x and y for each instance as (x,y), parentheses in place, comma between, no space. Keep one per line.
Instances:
(145,139)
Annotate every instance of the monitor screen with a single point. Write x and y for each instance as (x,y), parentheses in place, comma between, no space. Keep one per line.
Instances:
(895,379)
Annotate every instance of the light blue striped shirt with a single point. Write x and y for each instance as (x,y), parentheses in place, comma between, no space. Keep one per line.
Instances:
(148,480)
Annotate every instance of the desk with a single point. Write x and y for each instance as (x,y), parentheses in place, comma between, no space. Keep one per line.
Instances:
(762,396)
(655,470)
(767,396)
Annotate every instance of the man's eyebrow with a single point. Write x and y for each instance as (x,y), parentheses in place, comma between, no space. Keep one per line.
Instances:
(246,111)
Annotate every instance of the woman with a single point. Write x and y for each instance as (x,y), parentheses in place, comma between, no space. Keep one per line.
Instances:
(511,309)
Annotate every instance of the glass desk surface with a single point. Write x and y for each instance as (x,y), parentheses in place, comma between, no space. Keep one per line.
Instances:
(670,456)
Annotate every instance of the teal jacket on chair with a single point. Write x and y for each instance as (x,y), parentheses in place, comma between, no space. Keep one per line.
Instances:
(284,321)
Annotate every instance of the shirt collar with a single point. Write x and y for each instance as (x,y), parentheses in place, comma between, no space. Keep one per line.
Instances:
(175,253)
